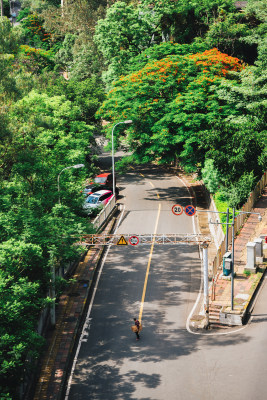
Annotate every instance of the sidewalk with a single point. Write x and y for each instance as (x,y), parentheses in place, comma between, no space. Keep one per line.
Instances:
(220,314)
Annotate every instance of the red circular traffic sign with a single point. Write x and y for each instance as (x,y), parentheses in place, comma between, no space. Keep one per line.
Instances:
(177,209)
(190,210)
(134,240)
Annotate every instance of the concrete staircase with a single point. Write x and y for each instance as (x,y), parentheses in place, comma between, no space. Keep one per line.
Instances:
(214,317)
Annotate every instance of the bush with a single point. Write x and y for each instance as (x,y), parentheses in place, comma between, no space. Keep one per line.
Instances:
(238,193)
(210,176)
(23,14)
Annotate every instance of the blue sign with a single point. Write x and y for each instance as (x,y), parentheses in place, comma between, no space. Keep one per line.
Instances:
(190,210)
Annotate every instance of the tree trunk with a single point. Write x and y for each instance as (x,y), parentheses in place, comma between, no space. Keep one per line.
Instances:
(2,8)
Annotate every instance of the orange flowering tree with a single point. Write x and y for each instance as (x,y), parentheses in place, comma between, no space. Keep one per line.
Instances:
(172,102)
(36,60)
(35,33)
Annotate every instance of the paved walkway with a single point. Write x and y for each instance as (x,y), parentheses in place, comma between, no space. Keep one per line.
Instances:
(220,296)
(244,286)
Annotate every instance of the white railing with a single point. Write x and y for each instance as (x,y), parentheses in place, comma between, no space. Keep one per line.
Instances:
(103,215)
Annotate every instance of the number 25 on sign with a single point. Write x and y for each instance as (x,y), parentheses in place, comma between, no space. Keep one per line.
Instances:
(177,209)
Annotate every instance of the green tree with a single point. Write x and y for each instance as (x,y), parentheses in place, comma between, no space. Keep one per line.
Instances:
(172,102)
(87,94)
(8,40)
(237,193)
(48,132)
(129,29)
(125,32)
(64,56)
(228,34)
(20,305)
(41,132)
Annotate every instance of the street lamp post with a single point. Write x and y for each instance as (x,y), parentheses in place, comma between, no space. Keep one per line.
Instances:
(233,259)
(206,281)
(128,121)
(72,166)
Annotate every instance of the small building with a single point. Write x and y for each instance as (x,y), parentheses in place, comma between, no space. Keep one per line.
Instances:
(241,5)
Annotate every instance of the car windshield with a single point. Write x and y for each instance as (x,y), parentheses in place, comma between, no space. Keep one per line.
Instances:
(100,180)
(92,199)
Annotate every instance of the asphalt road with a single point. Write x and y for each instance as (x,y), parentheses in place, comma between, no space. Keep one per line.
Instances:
(161,283)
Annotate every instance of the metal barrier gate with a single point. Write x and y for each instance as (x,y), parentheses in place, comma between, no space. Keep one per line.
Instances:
(143,239)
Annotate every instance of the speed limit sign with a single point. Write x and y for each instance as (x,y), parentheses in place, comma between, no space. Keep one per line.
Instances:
(177,209)
(134,240)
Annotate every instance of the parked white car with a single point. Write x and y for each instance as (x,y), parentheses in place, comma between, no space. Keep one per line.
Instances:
(96,199)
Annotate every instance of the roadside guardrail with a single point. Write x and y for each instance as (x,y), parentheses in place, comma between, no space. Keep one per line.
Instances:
(104,214)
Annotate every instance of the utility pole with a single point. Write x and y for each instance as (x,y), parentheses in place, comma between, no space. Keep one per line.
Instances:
(2,8)
(206,281)
(52,262)
(233,260)
(53,296)
(227,223)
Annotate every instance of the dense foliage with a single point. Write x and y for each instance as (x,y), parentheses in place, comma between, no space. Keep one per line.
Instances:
(191,103)
(47,123)
(192,77)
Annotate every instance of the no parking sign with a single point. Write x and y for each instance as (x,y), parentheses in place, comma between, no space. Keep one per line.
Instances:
(190,210)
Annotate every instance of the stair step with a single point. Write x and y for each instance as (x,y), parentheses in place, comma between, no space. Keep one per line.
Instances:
(214,317)
(215,307)
(218,326)
(214,313)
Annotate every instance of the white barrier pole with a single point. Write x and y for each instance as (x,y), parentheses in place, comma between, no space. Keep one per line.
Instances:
(206,281)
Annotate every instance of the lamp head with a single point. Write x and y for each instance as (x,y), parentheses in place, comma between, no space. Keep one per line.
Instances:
(78,166)
(128,121)
(260,218)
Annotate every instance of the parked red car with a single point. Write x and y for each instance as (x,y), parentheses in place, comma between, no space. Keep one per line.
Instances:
(102,181)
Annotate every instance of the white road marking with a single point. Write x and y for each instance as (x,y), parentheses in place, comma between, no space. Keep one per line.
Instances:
(123,209)
(148,266)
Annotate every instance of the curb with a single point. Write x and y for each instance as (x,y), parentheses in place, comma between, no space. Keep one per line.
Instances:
(247,309)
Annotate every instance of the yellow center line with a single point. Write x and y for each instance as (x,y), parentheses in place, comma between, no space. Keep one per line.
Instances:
(148,266)
(158,196)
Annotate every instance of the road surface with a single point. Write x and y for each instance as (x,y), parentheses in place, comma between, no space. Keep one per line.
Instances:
(160,284)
